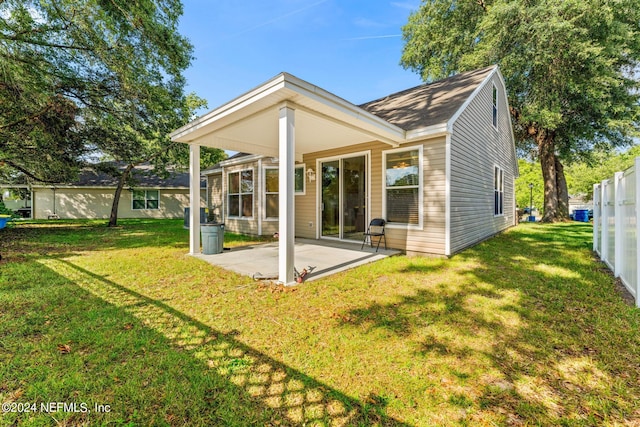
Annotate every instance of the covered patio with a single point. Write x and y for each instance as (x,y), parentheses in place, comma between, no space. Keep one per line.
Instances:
(285,118)
(321,258)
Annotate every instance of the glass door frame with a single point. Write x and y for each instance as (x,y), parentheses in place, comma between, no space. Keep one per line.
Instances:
(367,155)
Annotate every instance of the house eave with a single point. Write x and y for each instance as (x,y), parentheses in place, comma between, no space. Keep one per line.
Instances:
(215,128)
(440,129)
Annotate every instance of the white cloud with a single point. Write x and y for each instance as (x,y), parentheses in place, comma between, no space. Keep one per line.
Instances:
(367,23)
(409,5)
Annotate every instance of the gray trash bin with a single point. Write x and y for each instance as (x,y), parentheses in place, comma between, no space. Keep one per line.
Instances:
(212,238)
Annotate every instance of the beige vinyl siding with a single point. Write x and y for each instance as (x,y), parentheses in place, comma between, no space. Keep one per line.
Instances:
(430,239)
(476,148)
(95,203)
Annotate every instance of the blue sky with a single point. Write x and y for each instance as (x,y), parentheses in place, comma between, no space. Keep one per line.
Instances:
(351,48)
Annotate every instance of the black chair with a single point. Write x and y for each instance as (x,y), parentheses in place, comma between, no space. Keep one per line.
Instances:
(375,229)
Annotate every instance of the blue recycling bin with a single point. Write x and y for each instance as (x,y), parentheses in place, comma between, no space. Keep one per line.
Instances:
(4,219)
(581,215)
(212,238)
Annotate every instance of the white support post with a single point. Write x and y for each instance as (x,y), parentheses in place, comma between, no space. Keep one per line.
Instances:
(618,221)
(596,216)
(604,224)
(194,199)
(637,206)
(286,195)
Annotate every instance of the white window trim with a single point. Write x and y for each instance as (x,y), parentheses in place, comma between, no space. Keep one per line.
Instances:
(494,107)
(263,189)
(226,196)
(302,166)
(420,224)
(500,190)
(263,192)
(145,199)
(319,161)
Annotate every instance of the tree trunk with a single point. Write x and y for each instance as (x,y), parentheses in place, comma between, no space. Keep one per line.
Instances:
(546,151)
(113,219)
(563,192)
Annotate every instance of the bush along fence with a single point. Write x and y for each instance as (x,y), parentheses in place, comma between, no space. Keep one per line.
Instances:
(616,222)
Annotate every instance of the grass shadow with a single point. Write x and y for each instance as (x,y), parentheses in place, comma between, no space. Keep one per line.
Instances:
(287,396)
(533,312)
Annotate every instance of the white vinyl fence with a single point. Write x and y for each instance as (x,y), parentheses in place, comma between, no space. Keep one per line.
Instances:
(616,218)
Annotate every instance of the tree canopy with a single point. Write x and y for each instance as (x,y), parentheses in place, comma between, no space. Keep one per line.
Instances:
(569,67)
(92,78)
(97,76)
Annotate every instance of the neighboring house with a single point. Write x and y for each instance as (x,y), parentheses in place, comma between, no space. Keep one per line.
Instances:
(436,161)
(92,196)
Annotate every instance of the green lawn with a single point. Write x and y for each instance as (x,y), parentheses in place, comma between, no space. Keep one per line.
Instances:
(524,329)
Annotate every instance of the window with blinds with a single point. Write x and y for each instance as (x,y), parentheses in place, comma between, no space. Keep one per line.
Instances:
(402,186)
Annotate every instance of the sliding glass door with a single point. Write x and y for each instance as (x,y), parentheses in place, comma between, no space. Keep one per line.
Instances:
(344,198)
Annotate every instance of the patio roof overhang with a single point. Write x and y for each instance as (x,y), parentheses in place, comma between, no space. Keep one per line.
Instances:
(285,117)
(324,121)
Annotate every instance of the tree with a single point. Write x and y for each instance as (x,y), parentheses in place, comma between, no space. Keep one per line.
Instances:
(602,165)
(100,76)
(568,67)
(529,174)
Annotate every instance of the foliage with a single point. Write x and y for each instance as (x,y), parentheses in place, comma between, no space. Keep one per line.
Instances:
(93,76)
(6,211)
(568,67)
(525,328)
(602,166)
(529,174)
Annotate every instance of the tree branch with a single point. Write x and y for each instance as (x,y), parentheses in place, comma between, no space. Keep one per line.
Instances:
(26,172)
(46,44)
(24,119)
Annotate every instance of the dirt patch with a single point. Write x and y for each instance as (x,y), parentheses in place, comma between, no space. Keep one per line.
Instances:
(624,293)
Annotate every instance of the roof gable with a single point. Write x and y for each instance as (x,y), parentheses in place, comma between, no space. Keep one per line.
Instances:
(428,104)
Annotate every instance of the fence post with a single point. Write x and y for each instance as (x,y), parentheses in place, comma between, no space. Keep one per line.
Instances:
(596,216)
(604,212)
(637,208)
(618,220)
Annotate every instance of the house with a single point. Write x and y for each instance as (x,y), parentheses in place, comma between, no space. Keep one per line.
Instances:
(91,196)
(437,161)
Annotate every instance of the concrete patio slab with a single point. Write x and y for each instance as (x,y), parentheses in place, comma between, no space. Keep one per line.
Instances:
(322,257)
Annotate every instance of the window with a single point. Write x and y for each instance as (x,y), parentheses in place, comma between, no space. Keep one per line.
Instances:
(403,183)
(299,180)
(146,199)
(498,191)
(271,193)
(240,194)
(271,189)
(495,106)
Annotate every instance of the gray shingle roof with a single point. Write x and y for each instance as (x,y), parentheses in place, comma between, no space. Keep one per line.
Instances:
(143,174)
(428,104)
